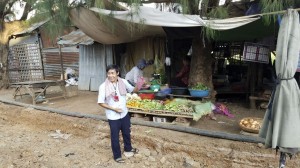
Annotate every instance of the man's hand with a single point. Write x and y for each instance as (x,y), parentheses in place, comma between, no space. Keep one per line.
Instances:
(117,110)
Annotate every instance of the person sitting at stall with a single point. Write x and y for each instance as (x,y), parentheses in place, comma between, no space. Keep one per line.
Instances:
(182,77)
(137,71)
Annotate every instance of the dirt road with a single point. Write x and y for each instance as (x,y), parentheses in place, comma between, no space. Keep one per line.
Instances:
(28,139)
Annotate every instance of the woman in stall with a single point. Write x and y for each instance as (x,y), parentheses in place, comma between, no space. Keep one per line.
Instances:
(182,77)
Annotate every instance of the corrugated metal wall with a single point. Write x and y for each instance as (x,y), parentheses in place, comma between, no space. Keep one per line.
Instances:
(92,64)
(52,66)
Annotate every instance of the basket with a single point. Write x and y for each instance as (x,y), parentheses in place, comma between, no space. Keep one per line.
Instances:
(251,130)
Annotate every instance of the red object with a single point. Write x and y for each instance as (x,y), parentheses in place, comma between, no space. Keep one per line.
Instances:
(147,95)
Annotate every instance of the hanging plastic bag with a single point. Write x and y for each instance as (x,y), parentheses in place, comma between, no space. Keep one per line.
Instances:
(168,61)
(140,82)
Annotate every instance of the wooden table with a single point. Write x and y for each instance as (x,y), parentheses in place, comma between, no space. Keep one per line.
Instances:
(37,88)
(180,118)
(161,113)
(188,97)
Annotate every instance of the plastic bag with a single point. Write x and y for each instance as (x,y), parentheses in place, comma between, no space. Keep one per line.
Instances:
(222,109)
(140,82)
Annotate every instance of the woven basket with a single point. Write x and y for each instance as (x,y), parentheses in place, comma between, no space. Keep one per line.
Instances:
(252,130)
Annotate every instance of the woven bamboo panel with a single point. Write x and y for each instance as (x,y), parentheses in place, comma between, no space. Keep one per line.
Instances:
(25,63)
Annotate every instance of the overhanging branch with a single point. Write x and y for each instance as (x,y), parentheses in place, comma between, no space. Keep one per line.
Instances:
(152,1)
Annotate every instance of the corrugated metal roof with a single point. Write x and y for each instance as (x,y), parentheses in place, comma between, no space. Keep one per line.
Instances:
(32,27)
(74,38)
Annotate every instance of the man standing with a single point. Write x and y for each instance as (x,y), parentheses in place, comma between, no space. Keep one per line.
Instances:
(112,97)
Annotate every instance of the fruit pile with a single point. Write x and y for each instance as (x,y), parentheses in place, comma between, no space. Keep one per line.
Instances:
(148,104)
(178,107)
(251,123)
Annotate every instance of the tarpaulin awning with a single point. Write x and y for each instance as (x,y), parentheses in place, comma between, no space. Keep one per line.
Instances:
(127,26)
(115,32)
(154,17)
(282,118)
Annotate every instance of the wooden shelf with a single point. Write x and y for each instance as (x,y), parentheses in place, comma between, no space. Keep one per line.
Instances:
(159,114)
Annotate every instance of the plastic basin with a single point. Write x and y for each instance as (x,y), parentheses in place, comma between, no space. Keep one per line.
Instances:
(147,95)
(199,93)
(155,87)
(180,91)
(166,91)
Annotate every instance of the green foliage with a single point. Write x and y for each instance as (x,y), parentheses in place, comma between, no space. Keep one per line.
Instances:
(273,6)
(219,12)
(58,13)
(199,86)
(55,10)
(209,33)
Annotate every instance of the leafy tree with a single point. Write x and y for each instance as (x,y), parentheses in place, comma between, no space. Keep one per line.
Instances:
(6,29)
(58,11)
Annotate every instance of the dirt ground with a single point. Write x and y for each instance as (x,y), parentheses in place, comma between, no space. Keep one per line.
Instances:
(29,139)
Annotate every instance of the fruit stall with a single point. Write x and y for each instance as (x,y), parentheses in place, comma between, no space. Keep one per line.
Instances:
(163,104)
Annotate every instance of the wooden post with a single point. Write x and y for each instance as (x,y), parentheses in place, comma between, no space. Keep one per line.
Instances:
(61,63)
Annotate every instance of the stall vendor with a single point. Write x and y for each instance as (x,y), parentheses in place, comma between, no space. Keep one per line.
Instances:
(137,71)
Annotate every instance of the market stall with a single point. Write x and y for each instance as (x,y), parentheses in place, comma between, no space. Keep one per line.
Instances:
(160,104)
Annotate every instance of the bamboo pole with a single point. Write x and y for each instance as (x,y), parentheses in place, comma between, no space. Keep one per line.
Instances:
(263,14)
(61,63)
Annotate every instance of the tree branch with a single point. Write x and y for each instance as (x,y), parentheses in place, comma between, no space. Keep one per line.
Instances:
(152,1)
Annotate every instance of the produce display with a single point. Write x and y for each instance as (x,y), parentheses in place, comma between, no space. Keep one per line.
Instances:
(251,124)
(134,101)
(147,104)
(133,96)
(176,106)
(199,86)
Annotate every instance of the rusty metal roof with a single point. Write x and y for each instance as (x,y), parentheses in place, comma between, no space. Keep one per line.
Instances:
(31,28)
(74,38)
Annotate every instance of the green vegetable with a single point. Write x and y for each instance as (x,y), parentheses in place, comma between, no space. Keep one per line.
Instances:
(199,86)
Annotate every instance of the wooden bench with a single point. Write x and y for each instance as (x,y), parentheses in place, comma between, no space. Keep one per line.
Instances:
(37,88)
(254,99)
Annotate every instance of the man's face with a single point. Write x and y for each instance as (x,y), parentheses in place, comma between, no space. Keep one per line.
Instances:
(112,75)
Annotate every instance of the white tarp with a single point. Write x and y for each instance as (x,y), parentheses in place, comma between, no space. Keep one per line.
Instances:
(154,17)
(125,26)
(116,32)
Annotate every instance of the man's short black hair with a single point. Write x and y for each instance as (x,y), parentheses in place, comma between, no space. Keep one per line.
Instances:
(112,66)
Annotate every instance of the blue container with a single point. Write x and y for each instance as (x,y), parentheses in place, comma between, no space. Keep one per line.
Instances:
(199,93)
(166,91)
